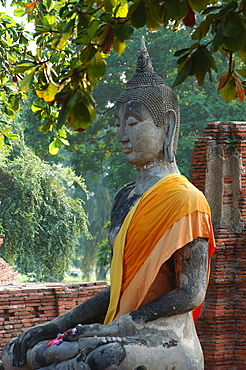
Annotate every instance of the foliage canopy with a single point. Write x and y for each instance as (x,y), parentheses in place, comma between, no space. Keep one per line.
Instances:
(73,39)
(42,223)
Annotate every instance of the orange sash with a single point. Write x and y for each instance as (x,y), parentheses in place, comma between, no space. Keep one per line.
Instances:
(169,215)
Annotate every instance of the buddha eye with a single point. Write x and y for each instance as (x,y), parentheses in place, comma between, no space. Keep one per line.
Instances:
(131,120)
(117,122)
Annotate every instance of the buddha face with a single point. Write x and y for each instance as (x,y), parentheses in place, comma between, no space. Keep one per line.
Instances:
(140,139)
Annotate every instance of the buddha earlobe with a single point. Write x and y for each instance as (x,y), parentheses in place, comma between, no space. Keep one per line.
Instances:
(170,122)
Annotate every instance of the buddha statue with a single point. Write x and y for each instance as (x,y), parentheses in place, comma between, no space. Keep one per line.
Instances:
(162,242)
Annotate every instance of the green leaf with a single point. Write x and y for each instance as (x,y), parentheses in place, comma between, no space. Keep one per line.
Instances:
(87,53)
(200,78)
(203,28)
(183,9)
(84,20)
(180,52)
(24,41)
(35,108)
(1,141)
(106,17)
(80,116)
(54,146)
(231,6)
(96,66)
(16,104)
(138,13)
(8,128)
(123,32)
(85,36)
(211,9)
(88,99)
(38,104)
(228,92)
(6,140)
(235,44)
(8,39)
(45,128)
(119,46)
(64,141)
(243,5)
(121,10)
(27,80)
(198,5)
(219,37)
(48,20)
(49,3)
(109,5)
(242,72)
(242,53)
(68,28)
(183,58)
(176,9)
(155,13)
(19,12)
(62,134)
(41,29)
(62,115)
(61,41)
(12,136)
(75,98)
(183,73)
(49,93)
(202,61)
(21,67)
(233,26)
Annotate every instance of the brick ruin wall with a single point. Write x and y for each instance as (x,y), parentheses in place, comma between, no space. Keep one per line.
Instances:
(7,273)
(26,305)
(217,169)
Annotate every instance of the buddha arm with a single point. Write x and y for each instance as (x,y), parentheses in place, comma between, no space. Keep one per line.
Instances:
(191,263)
(89,311)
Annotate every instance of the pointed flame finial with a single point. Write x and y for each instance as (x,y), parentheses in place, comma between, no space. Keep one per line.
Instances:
(143,46)
(144,63)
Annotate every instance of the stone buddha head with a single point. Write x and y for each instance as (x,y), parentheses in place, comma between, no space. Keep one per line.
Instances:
(147,116)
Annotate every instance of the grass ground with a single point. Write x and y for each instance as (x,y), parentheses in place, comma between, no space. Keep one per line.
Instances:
(68,279)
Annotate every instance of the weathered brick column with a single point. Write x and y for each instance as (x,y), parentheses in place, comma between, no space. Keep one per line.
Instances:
(7,273)
(218,169)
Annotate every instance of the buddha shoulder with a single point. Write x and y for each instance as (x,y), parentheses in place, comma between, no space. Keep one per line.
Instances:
(124,200)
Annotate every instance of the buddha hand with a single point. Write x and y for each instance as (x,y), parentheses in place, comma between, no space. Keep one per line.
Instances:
(29,338)
(124,326)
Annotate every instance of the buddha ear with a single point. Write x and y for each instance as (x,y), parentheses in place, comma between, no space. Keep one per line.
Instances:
(170,122)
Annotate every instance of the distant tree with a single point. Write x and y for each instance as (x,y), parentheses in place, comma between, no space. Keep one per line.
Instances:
(41,222)
(97,207)
(104,256)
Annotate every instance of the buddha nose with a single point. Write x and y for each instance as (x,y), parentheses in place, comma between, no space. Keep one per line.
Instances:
(122,133)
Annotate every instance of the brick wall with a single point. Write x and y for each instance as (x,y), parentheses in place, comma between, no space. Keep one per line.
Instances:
(218,169)
(26,305)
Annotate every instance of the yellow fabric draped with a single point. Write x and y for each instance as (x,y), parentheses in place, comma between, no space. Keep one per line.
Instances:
(168,215)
